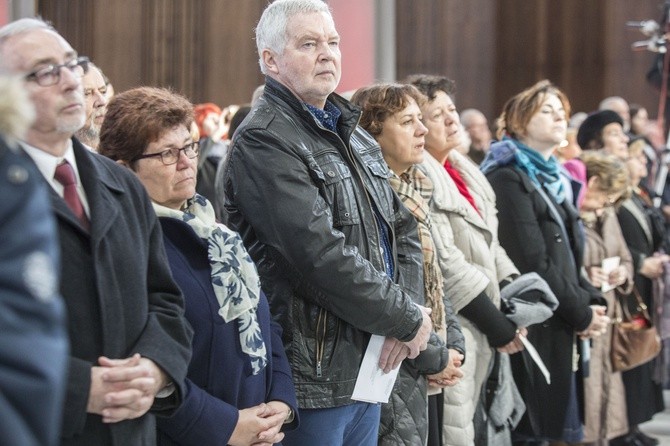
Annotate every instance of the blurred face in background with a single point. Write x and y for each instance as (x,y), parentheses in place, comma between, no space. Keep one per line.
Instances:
(636,164)
(95,95)
(639,122)
(615,141)
(595,198)
(478,129)
(620,106)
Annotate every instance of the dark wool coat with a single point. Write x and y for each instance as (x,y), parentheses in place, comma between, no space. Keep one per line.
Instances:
(120,298)
(219,377)
(642,228)
(533,240)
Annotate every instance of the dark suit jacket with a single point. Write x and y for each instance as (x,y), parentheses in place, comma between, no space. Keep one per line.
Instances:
(534,241)
(120,297)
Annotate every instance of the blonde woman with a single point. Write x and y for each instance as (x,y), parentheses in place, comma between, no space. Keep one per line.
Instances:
(607,184)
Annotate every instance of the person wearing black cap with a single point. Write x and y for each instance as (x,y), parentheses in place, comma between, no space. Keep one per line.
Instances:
(603,130)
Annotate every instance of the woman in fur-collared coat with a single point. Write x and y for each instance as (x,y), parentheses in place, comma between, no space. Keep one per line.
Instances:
(604,395)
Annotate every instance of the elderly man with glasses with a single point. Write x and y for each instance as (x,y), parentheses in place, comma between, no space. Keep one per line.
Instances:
(129,342)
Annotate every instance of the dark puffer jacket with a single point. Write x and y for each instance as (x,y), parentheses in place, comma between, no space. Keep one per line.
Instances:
(303,199)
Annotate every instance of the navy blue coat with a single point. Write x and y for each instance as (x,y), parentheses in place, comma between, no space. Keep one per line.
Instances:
(219,380)
(33,341)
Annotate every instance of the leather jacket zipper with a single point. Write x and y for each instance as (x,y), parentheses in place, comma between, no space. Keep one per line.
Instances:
(320,342)
(353,167)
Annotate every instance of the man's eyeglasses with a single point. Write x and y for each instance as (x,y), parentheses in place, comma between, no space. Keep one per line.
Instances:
(50,75)
(171,156)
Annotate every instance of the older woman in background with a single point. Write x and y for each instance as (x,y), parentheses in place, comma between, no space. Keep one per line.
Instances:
(606,184)
(391,114)
(239,382)
(474,265)
(540,230)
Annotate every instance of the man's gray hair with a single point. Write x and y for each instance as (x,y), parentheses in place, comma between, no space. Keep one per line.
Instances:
(608,102)
(18,27)
(271,28)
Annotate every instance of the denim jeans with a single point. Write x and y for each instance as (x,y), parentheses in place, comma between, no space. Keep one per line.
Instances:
(353,425)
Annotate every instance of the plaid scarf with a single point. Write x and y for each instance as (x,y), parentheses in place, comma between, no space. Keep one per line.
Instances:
(414,190)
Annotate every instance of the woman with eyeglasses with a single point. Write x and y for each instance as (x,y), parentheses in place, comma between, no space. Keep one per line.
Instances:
(239,383)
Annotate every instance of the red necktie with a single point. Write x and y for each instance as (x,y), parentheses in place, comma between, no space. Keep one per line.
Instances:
(65,176)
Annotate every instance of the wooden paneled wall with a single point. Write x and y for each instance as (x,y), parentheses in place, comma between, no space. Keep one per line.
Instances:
(201,48)
(491,48)
(495,48)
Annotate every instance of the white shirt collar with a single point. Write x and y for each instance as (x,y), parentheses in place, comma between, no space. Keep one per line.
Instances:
(47,162)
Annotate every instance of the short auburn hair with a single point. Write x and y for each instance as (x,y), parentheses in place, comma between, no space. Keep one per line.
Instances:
(138,117)
(380,101)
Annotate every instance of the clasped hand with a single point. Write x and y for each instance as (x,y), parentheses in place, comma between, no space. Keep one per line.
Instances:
(395,351)
(652,267)
(260,425)
(451,374)
(599,323)
(123,389)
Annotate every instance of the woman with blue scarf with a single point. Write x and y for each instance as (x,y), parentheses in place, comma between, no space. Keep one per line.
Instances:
(240,389)
(541,232)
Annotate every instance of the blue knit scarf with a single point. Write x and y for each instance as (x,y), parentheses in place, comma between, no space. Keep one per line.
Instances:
(543,173)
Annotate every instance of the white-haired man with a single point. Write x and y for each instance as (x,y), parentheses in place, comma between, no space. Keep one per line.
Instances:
(95,95)
(337,252)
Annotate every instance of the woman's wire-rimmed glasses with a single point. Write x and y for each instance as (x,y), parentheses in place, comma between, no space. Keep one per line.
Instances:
(171,156)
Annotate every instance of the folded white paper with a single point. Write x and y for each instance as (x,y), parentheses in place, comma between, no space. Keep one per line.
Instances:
(608,265)
(372,384)
(535,356)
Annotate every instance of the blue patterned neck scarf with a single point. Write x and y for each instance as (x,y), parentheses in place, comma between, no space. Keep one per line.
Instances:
(234,277)
(544,173)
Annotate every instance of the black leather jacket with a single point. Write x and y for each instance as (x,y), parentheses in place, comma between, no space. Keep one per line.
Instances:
(301,198)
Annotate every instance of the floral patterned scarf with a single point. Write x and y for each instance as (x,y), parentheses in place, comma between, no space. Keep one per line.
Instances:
(234,276)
